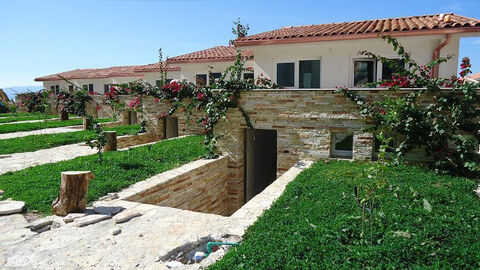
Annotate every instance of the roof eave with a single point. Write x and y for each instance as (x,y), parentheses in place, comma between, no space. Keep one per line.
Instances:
(473,29)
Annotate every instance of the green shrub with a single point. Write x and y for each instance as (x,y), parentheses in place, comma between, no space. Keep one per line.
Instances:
(316,223)
(39,186)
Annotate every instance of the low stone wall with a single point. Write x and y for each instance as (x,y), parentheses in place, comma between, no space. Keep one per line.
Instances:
(199,186)
(132,140)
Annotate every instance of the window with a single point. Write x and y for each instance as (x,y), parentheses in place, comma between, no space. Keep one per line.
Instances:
(342,145)
(286,74)
(52,88)
(106,88)
(90,87)
(57,87)
(309,74)
(391,68)
(363,72)
(70,87)
(248,76)
(201,79)
(215,75)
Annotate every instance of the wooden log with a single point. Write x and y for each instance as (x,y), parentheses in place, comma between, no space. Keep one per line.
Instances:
(63,116)
(87,123)
(111,144)
(73,193)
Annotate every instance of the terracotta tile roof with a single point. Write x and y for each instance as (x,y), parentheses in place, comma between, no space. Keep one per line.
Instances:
(475,76)
(92,73)
(415,25)
(154,67)
(215,54)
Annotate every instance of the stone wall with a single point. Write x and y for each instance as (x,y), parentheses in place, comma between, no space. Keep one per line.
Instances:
(132,140)
(199,186)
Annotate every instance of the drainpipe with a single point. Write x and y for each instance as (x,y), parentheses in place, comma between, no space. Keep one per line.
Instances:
(436,55)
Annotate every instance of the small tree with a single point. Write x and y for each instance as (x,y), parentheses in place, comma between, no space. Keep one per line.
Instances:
(99,141)
(239,30)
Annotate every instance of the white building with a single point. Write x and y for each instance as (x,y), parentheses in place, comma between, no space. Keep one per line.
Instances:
(201,65)
(93,79)
(327,55)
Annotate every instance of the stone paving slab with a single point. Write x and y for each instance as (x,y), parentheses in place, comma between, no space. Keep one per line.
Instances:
(20,161)
(39,132)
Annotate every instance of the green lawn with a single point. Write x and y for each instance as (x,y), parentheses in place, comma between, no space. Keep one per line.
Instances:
(36,142)
(8,128)
(26,118)
(317,222)
(39,186)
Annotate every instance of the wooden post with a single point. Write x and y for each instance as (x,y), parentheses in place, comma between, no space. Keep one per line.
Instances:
(73,193)
(111,144)
(86,123)
(63,115)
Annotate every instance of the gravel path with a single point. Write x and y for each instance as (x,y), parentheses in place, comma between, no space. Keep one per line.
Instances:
(40,132)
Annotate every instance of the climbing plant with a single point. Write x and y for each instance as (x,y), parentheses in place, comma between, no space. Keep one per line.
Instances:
(211,101)
(74,100)
(440,115)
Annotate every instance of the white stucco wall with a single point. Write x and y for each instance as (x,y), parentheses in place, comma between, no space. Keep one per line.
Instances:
(152,77)
(98,84)
(337,56)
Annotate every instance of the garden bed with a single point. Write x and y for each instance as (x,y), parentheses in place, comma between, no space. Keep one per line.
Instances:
(36,142)
(39,186)
(8,128)
(421,220)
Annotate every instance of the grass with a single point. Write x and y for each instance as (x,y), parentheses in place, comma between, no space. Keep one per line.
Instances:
(36,142)
(8,128)
(316,223)
(39,186)
(25,118)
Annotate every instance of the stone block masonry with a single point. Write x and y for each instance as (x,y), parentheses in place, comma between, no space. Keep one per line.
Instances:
(199,186)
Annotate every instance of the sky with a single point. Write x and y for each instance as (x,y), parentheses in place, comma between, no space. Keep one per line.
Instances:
(39,38)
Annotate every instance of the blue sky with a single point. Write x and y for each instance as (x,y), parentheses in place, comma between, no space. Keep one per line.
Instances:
(43,37)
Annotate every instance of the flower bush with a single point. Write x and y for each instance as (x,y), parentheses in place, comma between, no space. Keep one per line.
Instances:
(446,126)
(212,101)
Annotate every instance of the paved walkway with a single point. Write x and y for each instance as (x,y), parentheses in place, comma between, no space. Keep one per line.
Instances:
(36,121)
(20,161)
(40,132)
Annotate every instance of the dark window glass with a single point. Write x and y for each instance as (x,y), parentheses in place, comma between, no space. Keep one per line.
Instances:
(390,68)
(90,87)
(52,87)
(201,79)
(286,74)
(158,83)
(309,74)
(215,75)
(57,87)
(70,87)
(85,87)
(106,88)
(363,72)
(248,76)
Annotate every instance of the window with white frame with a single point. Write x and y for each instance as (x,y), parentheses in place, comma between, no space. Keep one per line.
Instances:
(88,87)
(309,74)
(214,75)
(364,71)
(248,76)
(342,145)
(286,74)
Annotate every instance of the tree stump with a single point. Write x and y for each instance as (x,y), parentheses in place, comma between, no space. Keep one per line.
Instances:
(73,193)
(125,117)
(63,116)
(111,144)
(87,122)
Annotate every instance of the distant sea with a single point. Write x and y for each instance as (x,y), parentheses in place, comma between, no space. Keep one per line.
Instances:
(13,90)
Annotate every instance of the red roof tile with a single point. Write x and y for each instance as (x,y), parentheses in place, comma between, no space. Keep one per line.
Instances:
(154,67)
(92,73)
(415,25)
(475,76)
(215,54)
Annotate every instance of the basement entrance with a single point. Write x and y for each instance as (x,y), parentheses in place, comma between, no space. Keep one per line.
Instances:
(260,160)
(170,127)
